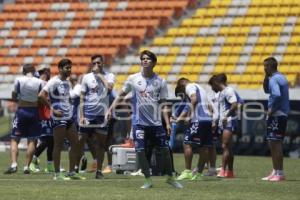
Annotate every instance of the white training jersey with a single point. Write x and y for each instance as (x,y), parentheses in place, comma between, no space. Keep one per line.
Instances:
(215,104)
(226,98)
(96,98)
(146,96)
(59,95)
(201,112)
(28,88)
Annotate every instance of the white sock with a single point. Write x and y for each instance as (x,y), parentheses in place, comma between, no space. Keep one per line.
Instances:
(26,168)
(279,172)
(273,172)
(14,164)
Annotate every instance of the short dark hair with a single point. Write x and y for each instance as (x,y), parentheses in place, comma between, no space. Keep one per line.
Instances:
(93,57)
(28,68)
(271,62)
(63,62)
(222,78)
(179,86)
(151,55)
(211,80)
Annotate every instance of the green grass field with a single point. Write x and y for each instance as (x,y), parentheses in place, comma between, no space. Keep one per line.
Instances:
(247,185)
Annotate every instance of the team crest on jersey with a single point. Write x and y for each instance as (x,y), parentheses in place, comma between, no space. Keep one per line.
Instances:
(140,134)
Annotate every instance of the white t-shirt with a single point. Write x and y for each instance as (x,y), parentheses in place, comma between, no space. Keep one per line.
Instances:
(226,98)
(146,96)
(28,88)
(59,94)
(201,112)
(96,100)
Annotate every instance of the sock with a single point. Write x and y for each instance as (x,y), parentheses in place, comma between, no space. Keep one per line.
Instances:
(167,161)
(14,164)
(49,162)
(279,172)
(26,168)
(143,162)
(34,158)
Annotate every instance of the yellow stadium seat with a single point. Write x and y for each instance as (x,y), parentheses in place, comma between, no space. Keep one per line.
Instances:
(135,69)
(197,69)
(121,78)
(219,69)
(165,69)
(170,59)
(251,69)
(246,78)
(174,50)
(200,40)
(230,69)
(187,22)
(192,31)
(284,69)
(172,32)
(191,59)
(186,69)
(193,77)
(182,31)
(196,50)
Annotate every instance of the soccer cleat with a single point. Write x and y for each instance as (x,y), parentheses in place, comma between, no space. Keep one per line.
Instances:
(185,175)
(61,177)
(49,168)
(221,174)
(137,173)
(277,178)
(170,180)
(34,168)
(76,176)
(107,170)
(11,170)
(26,171)
(35,161)
(197,177)
(147,184)
(99,175)
(269,177)
(83,164)
(229,174)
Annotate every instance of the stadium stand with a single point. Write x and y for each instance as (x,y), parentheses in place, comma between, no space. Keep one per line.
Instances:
(229,36)
(41,32)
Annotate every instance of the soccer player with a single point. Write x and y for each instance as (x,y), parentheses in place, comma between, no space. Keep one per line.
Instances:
(227,124)
(278,109)
(199,133)
(46,138)
(26,123)
(148,93)
(58,90)
(110,136)
(95,87)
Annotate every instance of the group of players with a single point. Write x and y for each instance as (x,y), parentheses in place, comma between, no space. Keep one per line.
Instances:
(54,103)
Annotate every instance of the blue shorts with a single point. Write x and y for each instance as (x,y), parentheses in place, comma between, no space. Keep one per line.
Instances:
(144,136)
(26,123)
(57,123)
(199,134)
(231,126)
(46,128)
(97,125)
(276,127)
